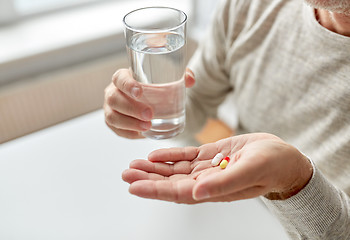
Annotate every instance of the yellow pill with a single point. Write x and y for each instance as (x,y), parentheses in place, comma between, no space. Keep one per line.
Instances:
(223,164)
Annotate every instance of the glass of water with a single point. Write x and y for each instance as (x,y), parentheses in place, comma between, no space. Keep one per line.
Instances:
(156,45)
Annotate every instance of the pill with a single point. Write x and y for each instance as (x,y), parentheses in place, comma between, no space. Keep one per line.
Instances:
(217,159)
(227,159)
(223,164)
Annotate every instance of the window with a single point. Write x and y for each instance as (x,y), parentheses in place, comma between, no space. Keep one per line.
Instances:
(83,30)
(12,10)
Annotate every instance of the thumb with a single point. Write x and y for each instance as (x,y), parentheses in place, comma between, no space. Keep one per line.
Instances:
(207,188)
(225,182)
(189,78)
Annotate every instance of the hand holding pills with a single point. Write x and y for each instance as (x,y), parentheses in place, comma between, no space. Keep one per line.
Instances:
(253,165)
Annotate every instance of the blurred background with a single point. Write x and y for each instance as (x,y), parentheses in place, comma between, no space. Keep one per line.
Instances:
(57,56)
(64,182)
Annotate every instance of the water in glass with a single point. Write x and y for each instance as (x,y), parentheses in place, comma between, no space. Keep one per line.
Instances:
(158,62)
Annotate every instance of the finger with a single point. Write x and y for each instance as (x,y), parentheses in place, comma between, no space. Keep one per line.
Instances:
(248,193)
(234,178)
(126,133)
(164,190)
(173,154)
(189,78)
(120,102)
(163,169)
(174,191)
(124,122)
(132,175)
(124,81)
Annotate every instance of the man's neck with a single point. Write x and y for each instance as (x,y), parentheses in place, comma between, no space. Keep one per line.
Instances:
(335,22)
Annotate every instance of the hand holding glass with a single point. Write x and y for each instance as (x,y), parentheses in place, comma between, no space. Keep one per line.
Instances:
(156,45)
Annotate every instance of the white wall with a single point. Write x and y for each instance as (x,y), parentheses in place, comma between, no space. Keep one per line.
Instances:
(203,14)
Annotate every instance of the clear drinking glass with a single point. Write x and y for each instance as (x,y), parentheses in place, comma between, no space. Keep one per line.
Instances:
(156,45)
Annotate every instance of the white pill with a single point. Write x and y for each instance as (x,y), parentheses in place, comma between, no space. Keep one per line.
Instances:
(217,159)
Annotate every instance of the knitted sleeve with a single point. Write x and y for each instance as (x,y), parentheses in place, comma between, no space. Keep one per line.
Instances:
(320,211)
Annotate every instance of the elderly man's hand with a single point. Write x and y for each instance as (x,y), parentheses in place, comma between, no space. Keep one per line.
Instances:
(261,164)
(126,112)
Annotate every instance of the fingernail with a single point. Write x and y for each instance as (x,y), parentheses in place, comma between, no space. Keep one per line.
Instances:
(201,194)
(147,114)
(145,125)
(135,92)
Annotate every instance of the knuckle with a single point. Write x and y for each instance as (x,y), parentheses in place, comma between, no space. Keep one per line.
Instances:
(121,132)
(110,100)
(124,84)
(108,89)
(110,118)
(120,79)
(134,135)
(107,123)
(127,134)
(109,92)
(118,132)
(134,110)
(116,75)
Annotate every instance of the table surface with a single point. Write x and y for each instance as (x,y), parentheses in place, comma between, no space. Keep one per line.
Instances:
(64,182)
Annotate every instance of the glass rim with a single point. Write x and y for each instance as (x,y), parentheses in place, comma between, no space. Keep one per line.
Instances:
(183,22)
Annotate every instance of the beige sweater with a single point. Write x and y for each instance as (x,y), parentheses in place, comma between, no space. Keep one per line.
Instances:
(290,77)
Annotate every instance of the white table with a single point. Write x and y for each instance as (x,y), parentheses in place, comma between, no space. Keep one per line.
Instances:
(64,182)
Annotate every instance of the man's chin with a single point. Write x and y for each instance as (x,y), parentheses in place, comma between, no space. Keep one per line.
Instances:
(340,6)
